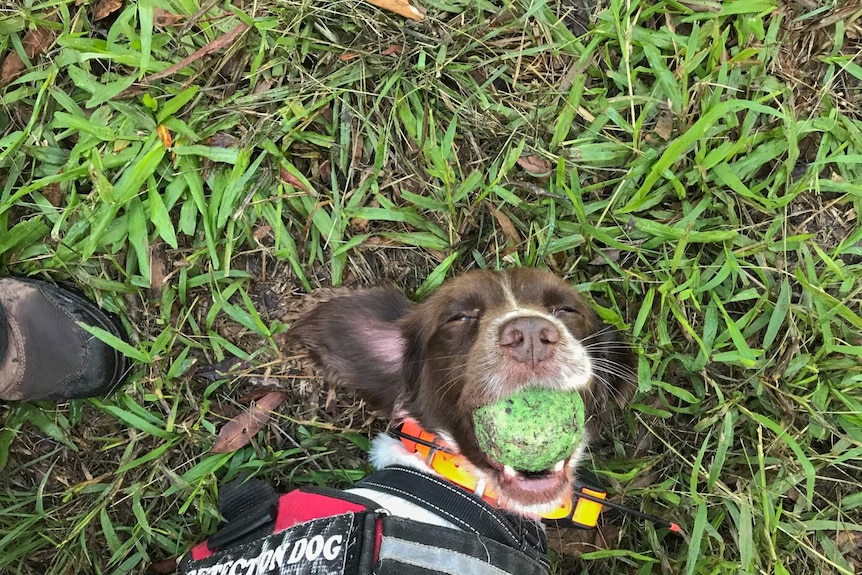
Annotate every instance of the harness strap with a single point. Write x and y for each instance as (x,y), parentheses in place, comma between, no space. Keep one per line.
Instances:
(410,547)
(466,510)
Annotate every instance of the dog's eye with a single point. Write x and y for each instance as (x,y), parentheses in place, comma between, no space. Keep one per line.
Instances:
(464,316)
(562,310)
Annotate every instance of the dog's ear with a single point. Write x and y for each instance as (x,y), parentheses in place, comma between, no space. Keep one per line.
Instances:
(615,373)
(354,338)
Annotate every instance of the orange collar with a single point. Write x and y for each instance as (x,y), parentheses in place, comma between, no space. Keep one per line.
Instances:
(443,459)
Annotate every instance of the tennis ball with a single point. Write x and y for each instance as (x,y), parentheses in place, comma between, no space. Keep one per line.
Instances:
(532,429)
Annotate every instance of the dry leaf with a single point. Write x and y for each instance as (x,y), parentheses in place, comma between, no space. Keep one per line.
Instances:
(502,18)
(104,8)
(221,140)
(359,225)
(392,49)
(664,124)
(158,271)
(604,257)
(324,173)
(535,165)
(505,224)
(164,19)
(35,42)
(239,431)
(348,56)
(846,541)
(164,135)
(53,194)
(289,178)
(223,41)
(12,67)
(401,7)
(261,232)
(358,144)
(164,566)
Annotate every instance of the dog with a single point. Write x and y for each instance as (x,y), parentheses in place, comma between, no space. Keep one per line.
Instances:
(479,337)
(438,503)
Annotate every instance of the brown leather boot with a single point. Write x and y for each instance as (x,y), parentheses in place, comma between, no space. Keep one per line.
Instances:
(44,353)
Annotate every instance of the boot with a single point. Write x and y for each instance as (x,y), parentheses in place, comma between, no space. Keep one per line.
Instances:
(44,353)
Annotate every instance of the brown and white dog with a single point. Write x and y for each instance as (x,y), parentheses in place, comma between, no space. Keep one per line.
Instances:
(479,337)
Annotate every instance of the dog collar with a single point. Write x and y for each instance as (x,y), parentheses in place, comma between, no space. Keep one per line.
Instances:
(447,462)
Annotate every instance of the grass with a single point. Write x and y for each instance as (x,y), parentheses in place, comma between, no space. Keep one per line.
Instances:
(695,167)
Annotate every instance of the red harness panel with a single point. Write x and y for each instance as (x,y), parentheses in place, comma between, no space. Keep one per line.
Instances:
(297,507)
(300,506)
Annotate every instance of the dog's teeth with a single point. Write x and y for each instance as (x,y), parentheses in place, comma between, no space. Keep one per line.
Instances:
(509,471)
(559,466)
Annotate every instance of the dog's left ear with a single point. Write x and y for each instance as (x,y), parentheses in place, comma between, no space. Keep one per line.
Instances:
(355,338)
(615,373)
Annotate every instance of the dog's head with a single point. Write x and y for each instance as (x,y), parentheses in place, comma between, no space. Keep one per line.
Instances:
(476,339)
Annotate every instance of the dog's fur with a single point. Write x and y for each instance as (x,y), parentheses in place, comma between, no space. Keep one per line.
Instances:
(477,338)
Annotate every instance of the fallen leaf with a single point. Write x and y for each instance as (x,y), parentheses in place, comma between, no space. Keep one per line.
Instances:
(664,124)
(324,173)
(505,224)
(53,194)
(846,541)
(158,271)
(239,431)
(104,8)
(381,242)
(507,252)
(164,19)
(502,18)
(35,42)
(289,178)
(12,67)
(535,165)
(262,84)
(392,49)
(848,12)
(358,144)
(261,232)
(164,566)
(348,56)
(359,225)
(604,257)
(225,40)
(221,140)
(164,135)
(401,7)
(326,113)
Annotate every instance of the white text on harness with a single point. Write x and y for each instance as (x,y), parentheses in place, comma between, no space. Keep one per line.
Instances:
(290,552)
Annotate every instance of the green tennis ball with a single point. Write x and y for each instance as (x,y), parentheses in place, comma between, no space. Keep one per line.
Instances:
(532,429)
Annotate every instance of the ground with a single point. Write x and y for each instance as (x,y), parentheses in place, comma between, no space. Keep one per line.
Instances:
(199,168)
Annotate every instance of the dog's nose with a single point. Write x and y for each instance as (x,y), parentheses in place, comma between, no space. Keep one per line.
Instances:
(529,339)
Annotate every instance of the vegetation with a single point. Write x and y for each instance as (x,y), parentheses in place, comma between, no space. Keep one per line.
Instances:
(695,166)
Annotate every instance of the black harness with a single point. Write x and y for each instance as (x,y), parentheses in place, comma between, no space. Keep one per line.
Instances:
(326,531)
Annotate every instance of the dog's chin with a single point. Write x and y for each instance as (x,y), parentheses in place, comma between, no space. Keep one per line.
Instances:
(534,493)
